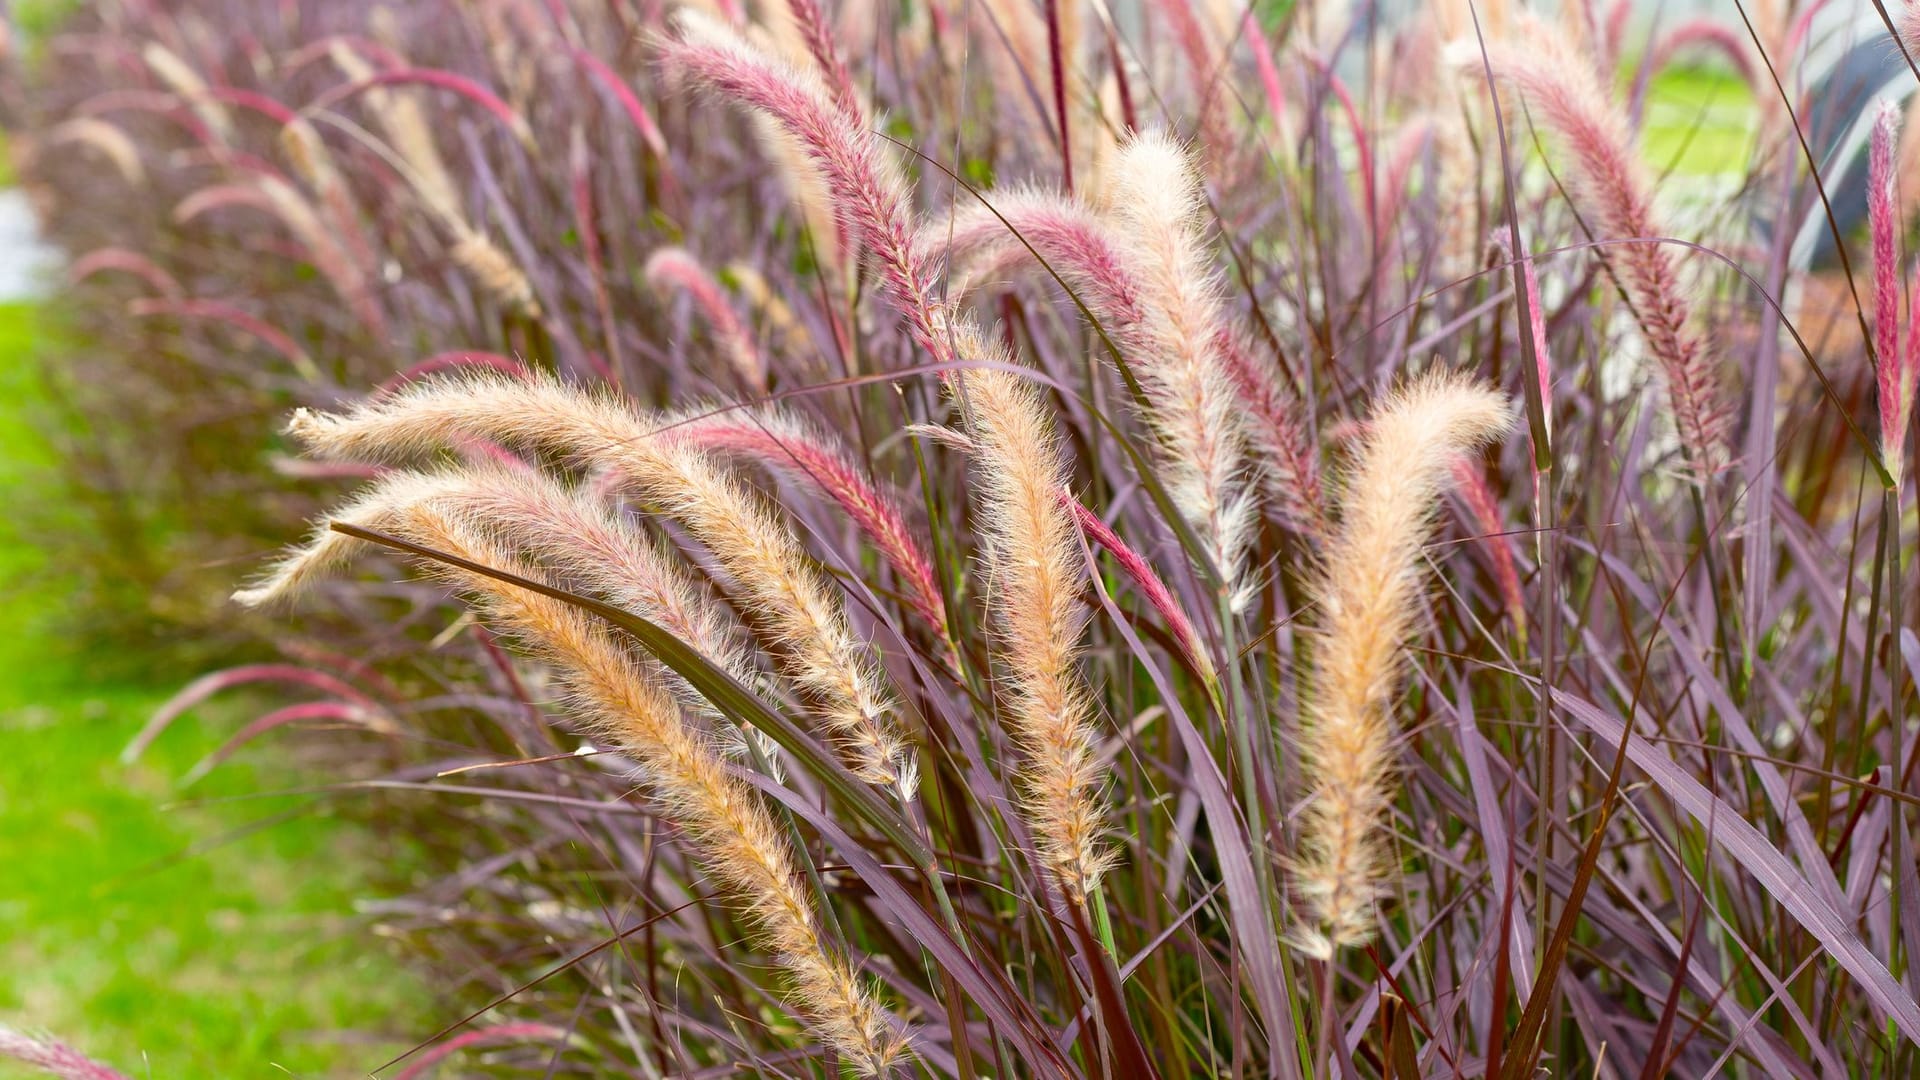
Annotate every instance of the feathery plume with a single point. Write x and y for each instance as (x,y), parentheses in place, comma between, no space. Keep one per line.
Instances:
(1484,510)
(112,143)
(1290,467)
(494,272)
(404,121)
(794,448)
(817,33)
(1203,64)
(1018,225)
(1148,287)
(1140,571)
(308,155)
(556,526)
(729,829)
(789,598)
(834,247)
(1893,371)
(1369,588)
(1087,253)
(1611,182)
(180,77)
(1157,198)
(1909,28)
(1035,574)
(52,1056)
(868,195)
(672,268)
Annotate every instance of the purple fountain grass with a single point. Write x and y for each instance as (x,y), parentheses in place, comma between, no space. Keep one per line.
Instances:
(564,529)
(797,608)
(1144,578)
(732,833)
(1111,279)
(52,1056)
(1369,590)
(1611,183)
(817,32)
(1894,370)
(1290,466)
(1146,281)
(1484,509)
(869,196)
(1139,821)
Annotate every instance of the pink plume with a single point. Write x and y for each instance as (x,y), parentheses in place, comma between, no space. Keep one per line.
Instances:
(868,196)
(794,451)
(1140,572)
(676,269)
(52,1056)
(1893,372)
(1485,510)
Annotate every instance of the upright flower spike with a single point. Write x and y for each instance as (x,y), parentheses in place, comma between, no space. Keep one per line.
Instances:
(1147,280)
(1369,589)
(1610,184)
(1893,370)
(728,828)
(1035,573)
(868,194)
(791,600)
(1192,405)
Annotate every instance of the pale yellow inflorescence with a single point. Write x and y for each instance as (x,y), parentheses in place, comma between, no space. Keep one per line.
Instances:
(1157,198)
(1369,589)
(1035,574)
(729,828)
(790,599)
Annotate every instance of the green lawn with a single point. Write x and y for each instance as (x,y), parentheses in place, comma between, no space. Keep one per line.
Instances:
(135,928)
(1699,122)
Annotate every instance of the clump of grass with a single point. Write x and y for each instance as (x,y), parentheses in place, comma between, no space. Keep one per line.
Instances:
(966,589)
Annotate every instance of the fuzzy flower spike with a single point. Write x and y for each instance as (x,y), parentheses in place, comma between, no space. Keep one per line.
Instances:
(1894,372)
(1035,573)
(1610,185)
(792,601)
(1369,589)
(727,826)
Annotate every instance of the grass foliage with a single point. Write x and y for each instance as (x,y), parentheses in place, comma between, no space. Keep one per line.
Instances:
(989,539)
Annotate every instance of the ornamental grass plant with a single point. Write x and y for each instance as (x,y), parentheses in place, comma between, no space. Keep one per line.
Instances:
(1036,538)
